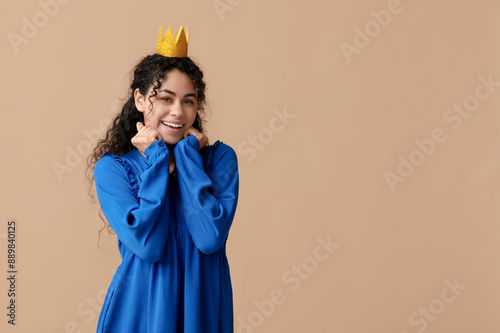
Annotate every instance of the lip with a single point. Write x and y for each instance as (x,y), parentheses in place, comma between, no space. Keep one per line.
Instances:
(171,129)
(173,122)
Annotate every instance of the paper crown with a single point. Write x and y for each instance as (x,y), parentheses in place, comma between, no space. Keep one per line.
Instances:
(169,47)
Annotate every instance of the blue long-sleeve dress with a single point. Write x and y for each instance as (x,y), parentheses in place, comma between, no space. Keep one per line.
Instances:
(172,230)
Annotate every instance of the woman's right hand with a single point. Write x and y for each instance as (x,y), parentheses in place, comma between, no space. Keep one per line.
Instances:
(145,137)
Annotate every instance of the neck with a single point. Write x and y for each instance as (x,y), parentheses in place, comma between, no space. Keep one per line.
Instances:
(170,148)
(171,151)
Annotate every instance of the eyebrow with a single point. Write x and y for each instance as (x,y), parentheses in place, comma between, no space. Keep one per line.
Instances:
(171,92)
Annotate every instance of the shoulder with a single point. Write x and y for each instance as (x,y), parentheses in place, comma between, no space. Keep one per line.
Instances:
(114,173)
(108,165)
(220,159)
(220,151)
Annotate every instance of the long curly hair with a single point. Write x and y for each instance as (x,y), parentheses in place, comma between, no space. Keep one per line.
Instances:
(117,140)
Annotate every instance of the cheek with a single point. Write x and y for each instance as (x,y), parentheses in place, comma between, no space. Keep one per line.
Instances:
(151,119)
(191,118)
(148,122)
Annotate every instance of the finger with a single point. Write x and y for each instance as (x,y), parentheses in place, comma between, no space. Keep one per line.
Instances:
(157,134)
(152,133)
(139,125)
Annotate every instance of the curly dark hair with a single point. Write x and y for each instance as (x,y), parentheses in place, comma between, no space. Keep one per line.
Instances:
(117,140)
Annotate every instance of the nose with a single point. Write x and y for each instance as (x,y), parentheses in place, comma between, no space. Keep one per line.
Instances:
(176,108)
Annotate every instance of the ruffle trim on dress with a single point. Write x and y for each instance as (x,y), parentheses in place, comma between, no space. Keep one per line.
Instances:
(130,173)
(207,161)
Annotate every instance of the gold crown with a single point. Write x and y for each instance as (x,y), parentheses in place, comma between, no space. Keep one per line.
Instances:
(169,48)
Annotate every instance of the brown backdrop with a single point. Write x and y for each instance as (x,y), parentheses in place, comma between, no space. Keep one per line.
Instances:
(368,141)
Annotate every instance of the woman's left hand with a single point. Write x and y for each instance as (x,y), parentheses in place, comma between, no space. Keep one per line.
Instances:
(202,139)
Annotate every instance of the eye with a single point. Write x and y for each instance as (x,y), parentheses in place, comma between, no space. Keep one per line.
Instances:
(189,101)
(166,99)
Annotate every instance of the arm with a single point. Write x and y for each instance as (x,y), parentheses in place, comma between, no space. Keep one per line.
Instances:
(140,224)
(208,200)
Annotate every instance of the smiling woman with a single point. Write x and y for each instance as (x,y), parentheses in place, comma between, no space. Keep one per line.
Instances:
(170,197)
(176,111)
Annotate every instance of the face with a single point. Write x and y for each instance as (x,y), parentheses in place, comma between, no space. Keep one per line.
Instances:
(175,105)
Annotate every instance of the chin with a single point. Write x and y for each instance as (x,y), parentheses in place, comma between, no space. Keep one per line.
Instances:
(171,141)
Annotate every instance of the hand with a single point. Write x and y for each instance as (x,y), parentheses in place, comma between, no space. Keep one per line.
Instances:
(145,137)
(202,139)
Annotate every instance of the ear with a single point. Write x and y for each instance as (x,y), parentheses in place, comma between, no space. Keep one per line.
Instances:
(140,100)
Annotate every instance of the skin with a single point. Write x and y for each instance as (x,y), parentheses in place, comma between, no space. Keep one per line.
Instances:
(175,102)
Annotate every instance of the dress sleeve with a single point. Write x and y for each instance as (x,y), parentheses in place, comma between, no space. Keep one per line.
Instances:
(139,218)
(208,198)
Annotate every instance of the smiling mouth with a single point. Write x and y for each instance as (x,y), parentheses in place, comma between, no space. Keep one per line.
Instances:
(172,125)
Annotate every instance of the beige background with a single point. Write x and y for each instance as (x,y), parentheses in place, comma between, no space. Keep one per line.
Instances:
(319,174)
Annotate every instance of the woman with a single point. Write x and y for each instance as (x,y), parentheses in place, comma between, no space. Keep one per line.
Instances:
(170,198)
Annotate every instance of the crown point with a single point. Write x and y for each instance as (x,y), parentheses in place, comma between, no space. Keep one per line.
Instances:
(160,37)
(169,47)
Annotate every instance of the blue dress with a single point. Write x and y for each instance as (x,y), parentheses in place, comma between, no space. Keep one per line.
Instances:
(172,230)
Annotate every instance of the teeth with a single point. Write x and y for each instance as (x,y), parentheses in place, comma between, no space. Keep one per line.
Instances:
(171,125)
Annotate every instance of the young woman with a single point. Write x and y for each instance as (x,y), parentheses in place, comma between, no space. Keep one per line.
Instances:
(170,197)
